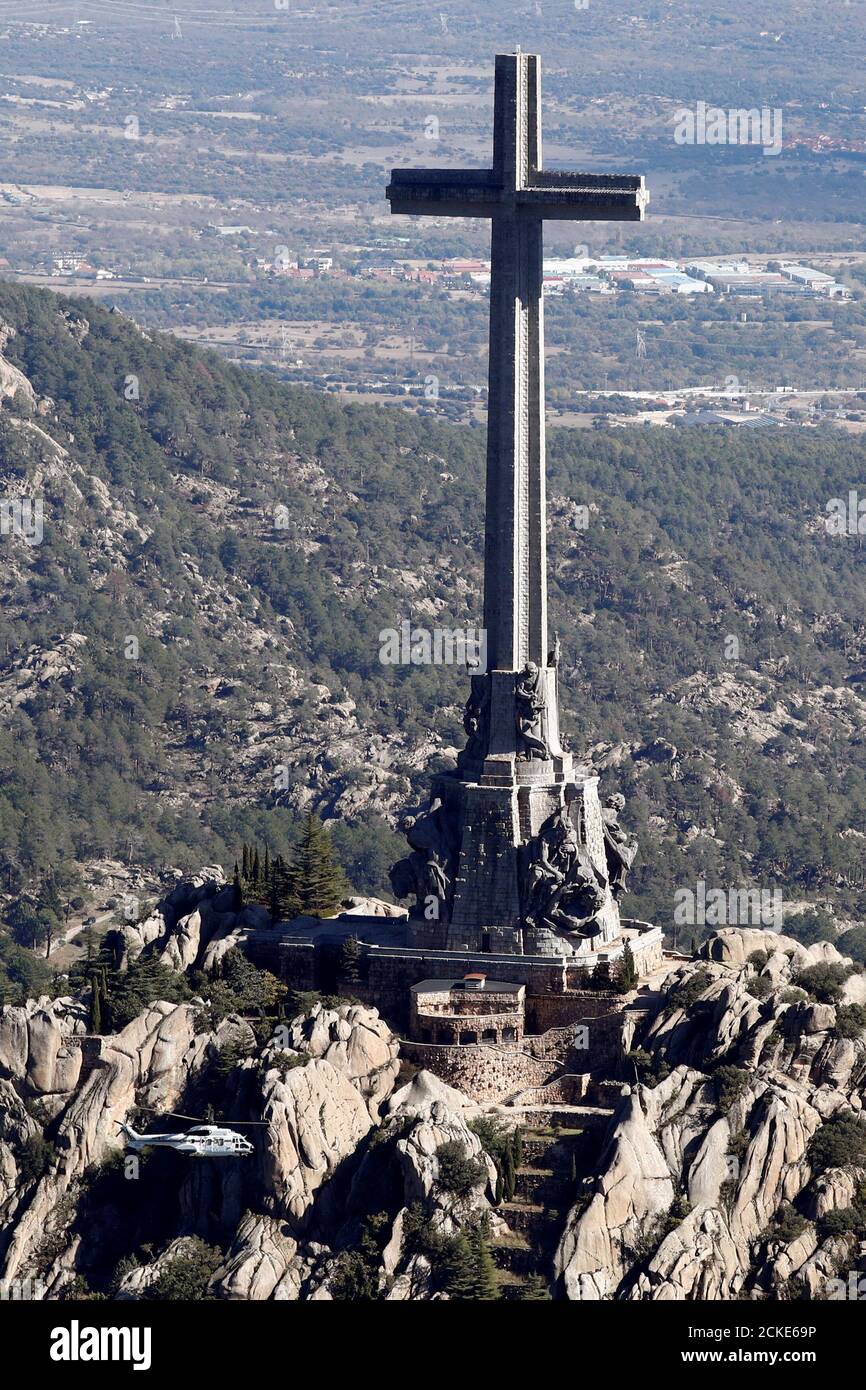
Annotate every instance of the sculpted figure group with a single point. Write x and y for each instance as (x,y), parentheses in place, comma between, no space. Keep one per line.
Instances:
(564,891)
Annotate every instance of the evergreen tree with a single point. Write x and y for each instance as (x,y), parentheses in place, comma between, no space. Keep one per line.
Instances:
(535,1290)
(486,1288)
(457,1269)
(509,1177)
(256,870)
(245,860)
(282,900)
(317,882)
(626,976)
(95,1006)
(350,960)
(517,1147)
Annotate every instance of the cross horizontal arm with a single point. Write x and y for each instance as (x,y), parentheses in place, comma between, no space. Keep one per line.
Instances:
(444,192)
(478,193)
(585,197)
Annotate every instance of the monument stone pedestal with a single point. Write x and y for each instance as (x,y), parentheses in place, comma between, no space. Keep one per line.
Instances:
(498,826)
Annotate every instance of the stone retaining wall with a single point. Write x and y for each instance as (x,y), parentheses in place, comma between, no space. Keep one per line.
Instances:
(484,1073)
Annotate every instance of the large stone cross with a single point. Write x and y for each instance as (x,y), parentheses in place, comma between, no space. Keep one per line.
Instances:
(517,196)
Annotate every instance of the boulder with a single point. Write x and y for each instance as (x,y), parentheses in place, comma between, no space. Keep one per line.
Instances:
(357,1042)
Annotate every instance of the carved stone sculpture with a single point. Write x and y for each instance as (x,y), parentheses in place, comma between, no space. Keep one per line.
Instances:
(476,721)
(620,848)
(563,889)
(428,871)
(530,706)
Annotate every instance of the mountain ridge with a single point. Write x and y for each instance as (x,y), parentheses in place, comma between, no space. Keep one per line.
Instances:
(254,540)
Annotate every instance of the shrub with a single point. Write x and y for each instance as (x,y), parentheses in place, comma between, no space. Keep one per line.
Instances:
(186,1277)
(793,995)
(458,1173)
(730,1083)
(787,1226)
(845,1221)
(760,987)
(836,1143)
(823,982)
(850,1020)
(36,1156)
(688,991)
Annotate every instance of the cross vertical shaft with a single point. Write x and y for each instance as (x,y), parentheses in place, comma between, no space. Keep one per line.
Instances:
(515,576)
(517,196)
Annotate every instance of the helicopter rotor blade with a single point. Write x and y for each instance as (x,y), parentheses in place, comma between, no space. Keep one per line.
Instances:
(199,1119)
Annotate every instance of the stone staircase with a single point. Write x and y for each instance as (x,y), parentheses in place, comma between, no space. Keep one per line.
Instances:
(544,1193)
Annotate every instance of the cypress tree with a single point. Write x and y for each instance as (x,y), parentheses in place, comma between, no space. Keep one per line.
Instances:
(627,976)
(283,901)
(246,862)
(351,960)
(267,866)
(256,873)
(95,1006)
(517,1147)
(509,1182)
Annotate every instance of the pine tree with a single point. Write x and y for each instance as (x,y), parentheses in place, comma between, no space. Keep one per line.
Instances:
(316,881)
(535,1289)
(485,1270)
(458,1269)
(351,960)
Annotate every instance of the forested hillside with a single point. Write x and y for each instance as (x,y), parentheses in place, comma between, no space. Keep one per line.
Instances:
(191,655)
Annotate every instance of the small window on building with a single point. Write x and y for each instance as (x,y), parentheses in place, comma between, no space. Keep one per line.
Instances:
(468,1037)
(489,1035)
(509,1034)
(485,941)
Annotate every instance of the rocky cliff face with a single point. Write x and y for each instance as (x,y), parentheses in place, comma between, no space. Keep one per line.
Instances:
(712,1184)
(331,1134)
(196,923)
(734,1165)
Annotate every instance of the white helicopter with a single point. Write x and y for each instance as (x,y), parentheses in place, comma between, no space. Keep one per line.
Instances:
(202,1141)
